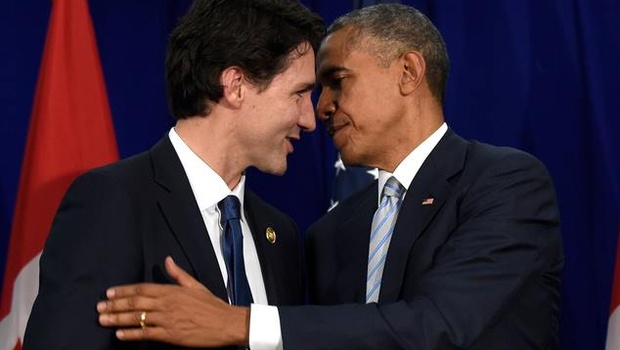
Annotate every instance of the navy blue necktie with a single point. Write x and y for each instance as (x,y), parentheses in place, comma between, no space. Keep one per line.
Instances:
(232,248)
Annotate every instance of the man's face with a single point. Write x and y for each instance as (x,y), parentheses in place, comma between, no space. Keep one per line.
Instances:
(360,100)
(277,114)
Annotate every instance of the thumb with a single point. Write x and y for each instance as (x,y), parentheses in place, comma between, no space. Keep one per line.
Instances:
(179,275)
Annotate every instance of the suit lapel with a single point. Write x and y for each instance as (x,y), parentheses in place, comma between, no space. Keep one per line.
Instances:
(183,216)
(258,225)
(353,238)
(426,195)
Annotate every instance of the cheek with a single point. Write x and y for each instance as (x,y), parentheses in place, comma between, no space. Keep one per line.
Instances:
(280,117)
(358,97)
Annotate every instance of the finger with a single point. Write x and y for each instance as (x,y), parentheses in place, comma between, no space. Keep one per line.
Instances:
(134,303)
(133,319)
(124,319)
(139,289)
(180,276)
(148,333)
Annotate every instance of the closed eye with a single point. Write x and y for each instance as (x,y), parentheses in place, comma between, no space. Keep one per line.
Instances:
(305,90)
(334,82)
(332,77)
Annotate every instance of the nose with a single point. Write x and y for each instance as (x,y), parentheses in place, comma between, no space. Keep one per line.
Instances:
(326,106)
(306,119)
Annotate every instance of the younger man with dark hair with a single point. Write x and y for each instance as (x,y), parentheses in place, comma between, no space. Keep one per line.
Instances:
(239,75)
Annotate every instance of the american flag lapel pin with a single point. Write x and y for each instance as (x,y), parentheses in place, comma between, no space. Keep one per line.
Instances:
(428,201)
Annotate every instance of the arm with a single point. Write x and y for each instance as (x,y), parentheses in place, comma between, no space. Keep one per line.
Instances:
(92,244)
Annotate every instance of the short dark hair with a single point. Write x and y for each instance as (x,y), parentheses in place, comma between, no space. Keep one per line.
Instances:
(394,29)
(257,36)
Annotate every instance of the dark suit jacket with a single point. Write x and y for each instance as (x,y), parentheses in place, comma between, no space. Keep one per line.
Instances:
(116,225)
(477,269)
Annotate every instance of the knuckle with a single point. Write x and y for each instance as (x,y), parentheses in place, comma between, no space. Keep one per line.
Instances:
(137,289)
(132,303)
(110,306)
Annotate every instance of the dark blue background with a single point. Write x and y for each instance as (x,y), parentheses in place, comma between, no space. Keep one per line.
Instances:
(540,75)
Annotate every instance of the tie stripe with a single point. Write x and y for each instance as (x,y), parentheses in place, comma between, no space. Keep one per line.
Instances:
(381,234)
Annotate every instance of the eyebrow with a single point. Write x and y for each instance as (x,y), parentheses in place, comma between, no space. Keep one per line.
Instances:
(329,72)
(305,87)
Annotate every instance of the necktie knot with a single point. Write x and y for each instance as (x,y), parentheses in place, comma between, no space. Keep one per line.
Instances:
(230,208)
(393,188)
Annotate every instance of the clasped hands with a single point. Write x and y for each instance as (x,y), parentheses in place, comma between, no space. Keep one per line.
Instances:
(186,314)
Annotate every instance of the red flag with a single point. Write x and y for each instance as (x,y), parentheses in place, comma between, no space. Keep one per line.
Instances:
(70,132)
(613,327)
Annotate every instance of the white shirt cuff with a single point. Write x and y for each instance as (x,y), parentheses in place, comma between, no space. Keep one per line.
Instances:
(265,333)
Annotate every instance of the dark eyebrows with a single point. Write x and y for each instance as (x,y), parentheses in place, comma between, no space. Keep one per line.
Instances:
(306,87)
(329,72)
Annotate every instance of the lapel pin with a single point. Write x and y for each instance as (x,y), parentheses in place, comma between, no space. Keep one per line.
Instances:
(428,201)
(270,233)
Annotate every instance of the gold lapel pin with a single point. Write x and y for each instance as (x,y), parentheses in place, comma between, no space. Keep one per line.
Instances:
(270,233)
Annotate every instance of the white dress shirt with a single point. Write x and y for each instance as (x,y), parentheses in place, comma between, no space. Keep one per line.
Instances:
(209,189)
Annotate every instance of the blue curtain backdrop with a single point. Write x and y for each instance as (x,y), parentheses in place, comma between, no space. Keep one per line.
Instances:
(540,75)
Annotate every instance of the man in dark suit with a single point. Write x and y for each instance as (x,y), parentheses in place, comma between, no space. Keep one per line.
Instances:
(456,246)
(239,78)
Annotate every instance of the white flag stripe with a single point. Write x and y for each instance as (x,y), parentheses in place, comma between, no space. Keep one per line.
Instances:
(613,331)
(25,289)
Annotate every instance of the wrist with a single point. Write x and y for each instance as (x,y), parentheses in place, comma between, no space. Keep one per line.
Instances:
(240,326)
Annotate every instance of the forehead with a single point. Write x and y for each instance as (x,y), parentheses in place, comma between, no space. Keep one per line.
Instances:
(343,50)
(300,68)
(335,47)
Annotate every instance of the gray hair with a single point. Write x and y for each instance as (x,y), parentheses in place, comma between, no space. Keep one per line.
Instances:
(393,29)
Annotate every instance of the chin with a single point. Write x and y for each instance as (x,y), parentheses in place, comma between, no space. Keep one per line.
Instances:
(274,169)
(278,172)
(350,158)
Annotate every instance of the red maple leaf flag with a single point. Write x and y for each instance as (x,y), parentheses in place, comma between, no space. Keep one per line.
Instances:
(70,132)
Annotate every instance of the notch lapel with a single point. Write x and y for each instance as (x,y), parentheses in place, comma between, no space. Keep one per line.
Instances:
(266,257)
(353,239)
(183,216)
(416,213)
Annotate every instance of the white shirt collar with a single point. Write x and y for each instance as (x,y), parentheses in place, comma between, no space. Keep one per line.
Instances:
(408,167)
(208,187)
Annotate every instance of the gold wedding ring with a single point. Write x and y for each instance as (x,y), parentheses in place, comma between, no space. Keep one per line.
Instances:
(143,319)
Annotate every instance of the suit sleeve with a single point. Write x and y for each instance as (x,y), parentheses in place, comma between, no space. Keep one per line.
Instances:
(92,245)
(506,239)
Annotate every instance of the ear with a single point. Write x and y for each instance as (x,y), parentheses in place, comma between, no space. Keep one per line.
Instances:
(413,71)
(232,80)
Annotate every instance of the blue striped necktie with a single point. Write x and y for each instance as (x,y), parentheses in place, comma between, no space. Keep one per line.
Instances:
(381,233)
(232,249)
